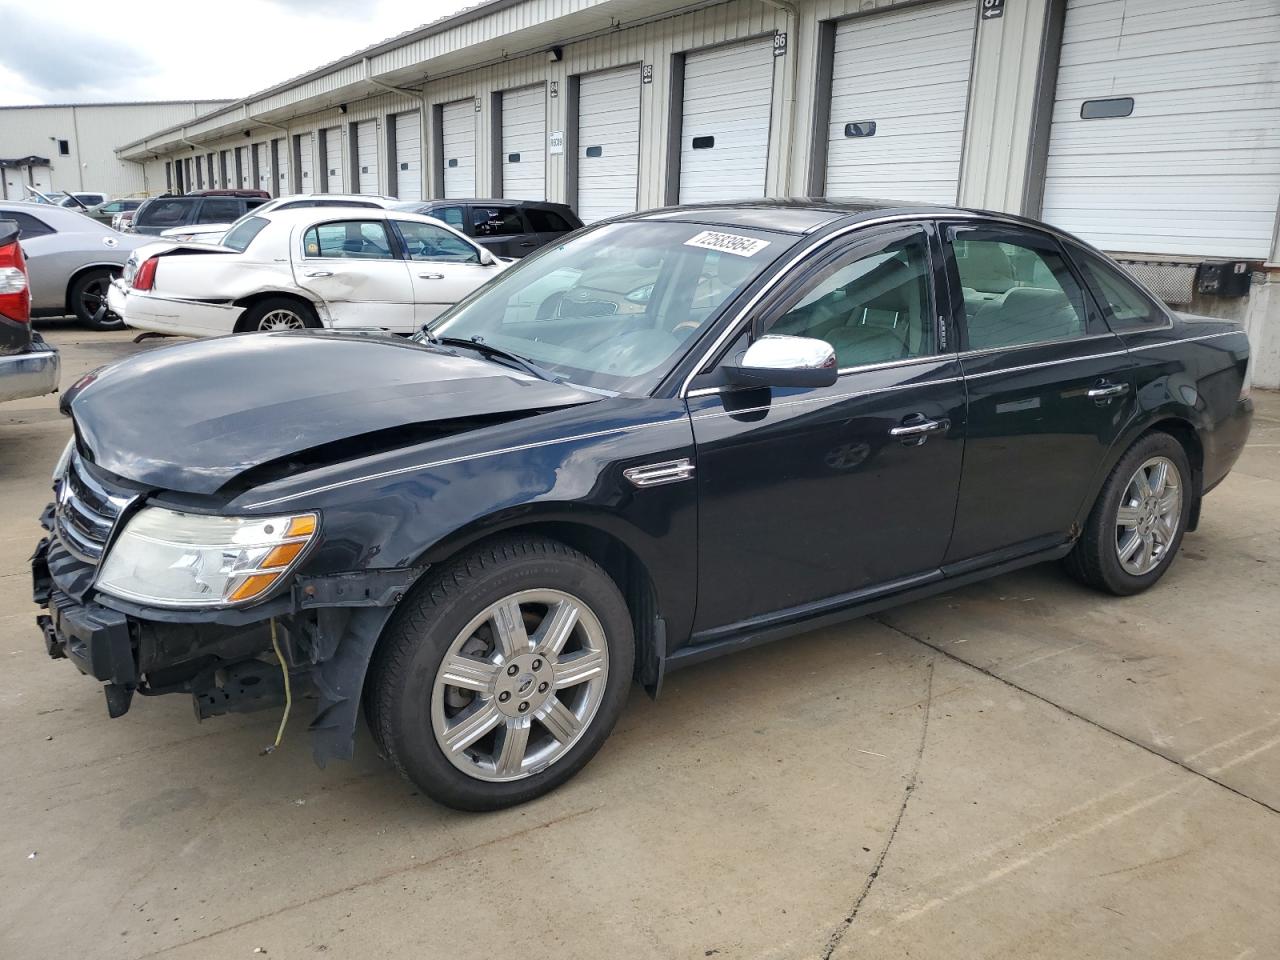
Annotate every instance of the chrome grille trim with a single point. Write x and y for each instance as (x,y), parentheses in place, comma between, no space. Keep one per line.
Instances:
(86,512)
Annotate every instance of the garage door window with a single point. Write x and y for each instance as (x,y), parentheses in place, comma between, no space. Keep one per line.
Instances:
(1016,293)
(351,240)
(873,308)
(424,241)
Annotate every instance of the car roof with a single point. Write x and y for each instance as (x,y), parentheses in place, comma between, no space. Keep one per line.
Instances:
(487,201)
(802,215)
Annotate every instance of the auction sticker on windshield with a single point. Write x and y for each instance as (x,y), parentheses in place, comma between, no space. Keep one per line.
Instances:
(734,243)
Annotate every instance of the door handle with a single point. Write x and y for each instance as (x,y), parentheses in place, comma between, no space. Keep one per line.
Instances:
(528,243)
(320,273)
(919,427)
(431,276)
(1105,390)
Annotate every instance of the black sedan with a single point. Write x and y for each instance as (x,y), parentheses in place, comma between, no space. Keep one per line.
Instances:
(672,436)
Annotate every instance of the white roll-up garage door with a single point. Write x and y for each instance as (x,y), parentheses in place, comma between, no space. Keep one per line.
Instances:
(227,172)
(306,163)
(608,143)
(899,95)
(524,143)
(367,156)
(244,170)
(409,155)
(458,132)
(1166,127)
(262,152)
(724,132)
(332,159)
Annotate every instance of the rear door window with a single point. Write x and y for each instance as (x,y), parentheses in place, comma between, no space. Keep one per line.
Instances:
(349,239)
(218,210)
(167,212)
(496,221)
(1017,288)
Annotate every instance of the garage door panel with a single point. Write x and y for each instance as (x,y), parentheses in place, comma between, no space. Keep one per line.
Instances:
(408,133)
(608,119)
(367,157)
(1195,168)
(458,137)
(335,180)
(727,103)
(908,71)
(524,137)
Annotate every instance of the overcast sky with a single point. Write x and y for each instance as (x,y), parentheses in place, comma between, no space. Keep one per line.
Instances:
(58,51)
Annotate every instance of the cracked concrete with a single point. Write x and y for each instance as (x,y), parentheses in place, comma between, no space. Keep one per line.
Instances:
(786,803)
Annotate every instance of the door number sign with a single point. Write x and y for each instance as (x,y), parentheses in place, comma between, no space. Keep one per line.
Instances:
(992,9)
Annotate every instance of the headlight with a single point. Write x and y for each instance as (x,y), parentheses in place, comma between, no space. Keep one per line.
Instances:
(60,467)
(173,559)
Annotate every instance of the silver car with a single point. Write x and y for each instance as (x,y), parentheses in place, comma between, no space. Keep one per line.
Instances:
(71,259)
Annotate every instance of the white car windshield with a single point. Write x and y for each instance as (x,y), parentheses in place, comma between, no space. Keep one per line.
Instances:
(614,308)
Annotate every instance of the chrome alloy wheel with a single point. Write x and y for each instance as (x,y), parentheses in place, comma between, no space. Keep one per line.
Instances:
(519,685)
(1149,514)
(281,320)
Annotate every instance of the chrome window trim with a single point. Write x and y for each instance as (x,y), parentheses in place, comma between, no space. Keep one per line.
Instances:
(824,398)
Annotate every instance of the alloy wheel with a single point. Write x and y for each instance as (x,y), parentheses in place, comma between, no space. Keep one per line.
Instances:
(281,320)
(1148,517)
(519,685)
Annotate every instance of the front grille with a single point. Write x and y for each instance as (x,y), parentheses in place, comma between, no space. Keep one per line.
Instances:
(87,512)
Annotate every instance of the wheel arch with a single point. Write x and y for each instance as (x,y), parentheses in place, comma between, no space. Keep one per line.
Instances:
(249,300)
(621,560)
(80,271)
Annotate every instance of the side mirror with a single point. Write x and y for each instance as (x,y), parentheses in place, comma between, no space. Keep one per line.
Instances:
(781,361)
(487,259)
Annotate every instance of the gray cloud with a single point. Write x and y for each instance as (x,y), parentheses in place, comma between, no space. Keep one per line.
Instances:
(67,62)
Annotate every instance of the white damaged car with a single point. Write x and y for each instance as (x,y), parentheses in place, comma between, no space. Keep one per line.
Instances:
(344,269)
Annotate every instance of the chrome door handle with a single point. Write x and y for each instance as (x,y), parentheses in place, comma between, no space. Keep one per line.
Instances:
(321,273)
(1105,391)
(431,276)
(919,429)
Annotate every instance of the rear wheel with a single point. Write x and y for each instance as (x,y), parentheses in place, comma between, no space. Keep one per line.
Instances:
(501,677)
(88,299)
(278,313)
(1136,526)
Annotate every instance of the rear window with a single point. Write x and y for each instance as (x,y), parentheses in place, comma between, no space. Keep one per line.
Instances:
(241,235)
(167,212)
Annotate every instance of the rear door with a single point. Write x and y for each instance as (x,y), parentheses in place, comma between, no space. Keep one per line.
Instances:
(354,265)
(1050,388)
(813,498)
(501,230)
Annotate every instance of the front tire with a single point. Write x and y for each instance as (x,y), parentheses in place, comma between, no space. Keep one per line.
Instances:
(1136,525)
(88,300)
(499,678)
(277,313)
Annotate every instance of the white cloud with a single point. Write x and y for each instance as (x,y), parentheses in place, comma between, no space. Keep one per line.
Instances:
(150,50)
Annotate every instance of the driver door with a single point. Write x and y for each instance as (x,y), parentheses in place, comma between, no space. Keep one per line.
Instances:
(816,498)
(443,267)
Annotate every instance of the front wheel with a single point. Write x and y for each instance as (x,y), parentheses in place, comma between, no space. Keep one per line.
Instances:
(1136,526)
(500,678)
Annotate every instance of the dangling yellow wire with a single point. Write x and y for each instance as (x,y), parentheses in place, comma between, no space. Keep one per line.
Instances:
(288,694)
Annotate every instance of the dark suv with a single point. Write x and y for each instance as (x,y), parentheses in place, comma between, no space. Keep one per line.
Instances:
(507,228)
(157,215)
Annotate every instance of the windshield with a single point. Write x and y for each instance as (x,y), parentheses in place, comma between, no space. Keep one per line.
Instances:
(616,307)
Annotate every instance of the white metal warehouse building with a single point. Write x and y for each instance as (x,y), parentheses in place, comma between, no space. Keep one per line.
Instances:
(1150,128)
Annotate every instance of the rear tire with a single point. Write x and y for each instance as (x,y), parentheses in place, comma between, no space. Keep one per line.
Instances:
(1136,525)
(277,313)
(88,300)
(516,712)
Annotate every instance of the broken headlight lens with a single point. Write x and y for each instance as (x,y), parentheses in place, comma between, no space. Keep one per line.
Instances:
(172,559)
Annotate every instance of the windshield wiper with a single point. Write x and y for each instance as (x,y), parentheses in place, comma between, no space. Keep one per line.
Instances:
(489,351)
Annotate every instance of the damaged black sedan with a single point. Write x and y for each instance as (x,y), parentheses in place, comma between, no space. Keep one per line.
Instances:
(671,436)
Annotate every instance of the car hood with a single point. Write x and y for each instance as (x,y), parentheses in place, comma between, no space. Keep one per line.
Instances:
(193,417)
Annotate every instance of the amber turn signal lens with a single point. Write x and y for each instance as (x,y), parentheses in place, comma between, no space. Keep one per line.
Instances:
(283,555)
(303,526)
(253,586)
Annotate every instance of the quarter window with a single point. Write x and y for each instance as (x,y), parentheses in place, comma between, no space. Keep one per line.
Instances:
(351,239)
(425,241)
(546,221)
(873,308)
(28,225)
(1124,305)
(1016,292)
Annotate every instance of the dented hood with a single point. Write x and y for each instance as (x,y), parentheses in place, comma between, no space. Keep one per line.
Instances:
(193,417)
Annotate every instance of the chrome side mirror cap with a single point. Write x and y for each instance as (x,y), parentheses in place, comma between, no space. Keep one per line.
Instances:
(776,360)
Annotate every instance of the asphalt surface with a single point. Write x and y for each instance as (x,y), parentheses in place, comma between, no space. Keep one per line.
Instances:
(1016,769)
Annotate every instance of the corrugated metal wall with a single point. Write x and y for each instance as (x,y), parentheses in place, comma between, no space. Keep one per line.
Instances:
(92,132)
